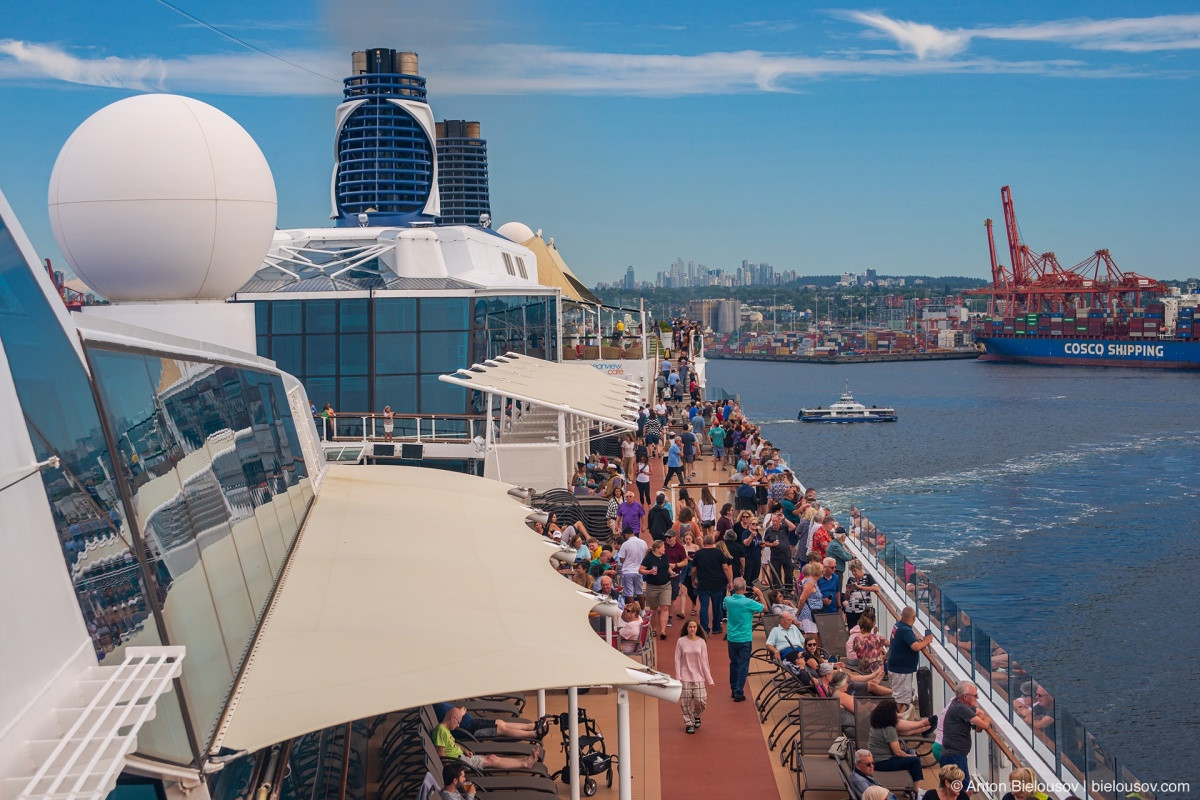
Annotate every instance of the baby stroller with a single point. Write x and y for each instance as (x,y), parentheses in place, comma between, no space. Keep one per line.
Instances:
(593,759)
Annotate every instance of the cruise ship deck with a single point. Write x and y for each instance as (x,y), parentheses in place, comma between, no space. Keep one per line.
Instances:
(730,755)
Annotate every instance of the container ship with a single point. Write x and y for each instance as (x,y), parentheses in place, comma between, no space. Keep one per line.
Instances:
(1091,314)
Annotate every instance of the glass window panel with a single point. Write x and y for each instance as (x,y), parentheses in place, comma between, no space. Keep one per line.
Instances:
(395,353)
(397,391)
(289,512)
(443,352)
(479,344)
(394,314)
(321,391)
(262,316)
(1101,770)
(1034,708)
(910,578)
(252,557)
(262,346)
(960,633)
(353,315)
(1074,745)
(320,316)
(352,396)
(441,398)
(164,736)
(320,355)
(981,651)
(287,353)
(191,620)
(445,314)
(227,586)
(285,315)
(353,354)
(272,536)
(230,433)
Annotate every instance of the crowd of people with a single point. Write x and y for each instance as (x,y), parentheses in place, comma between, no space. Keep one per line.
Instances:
(711,566)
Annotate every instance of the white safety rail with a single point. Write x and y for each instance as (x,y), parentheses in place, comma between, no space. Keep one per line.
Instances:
(1065,757)
(83,764)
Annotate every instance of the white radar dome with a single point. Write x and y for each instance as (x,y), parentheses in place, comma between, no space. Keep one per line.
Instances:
(517,232)
(161,197)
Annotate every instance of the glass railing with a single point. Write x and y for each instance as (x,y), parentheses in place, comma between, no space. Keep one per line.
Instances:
(1071,759)
(357,426)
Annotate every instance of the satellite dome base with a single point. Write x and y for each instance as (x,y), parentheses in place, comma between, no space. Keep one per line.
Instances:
(226,324)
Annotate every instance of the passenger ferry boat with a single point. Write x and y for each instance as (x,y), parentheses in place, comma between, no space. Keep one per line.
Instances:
(847,409)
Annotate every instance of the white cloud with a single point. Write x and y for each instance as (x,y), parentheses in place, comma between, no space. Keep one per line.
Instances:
(31,60)
(1128,34)
(238,73)
(1131,35)
(924,41)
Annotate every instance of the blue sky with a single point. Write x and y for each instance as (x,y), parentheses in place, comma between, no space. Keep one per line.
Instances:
(819,138)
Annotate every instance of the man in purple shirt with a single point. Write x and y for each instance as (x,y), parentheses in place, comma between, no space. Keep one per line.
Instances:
(630,512)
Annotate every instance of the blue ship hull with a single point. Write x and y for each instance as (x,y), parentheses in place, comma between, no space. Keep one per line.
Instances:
(1158,353)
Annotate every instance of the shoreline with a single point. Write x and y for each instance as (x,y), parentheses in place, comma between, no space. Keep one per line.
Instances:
(873,358)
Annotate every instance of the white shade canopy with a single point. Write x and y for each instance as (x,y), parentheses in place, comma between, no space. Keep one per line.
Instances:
(411,586)
(574,388)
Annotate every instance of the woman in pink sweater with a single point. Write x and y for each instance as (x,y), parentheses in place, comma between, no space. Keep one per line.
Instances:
(691,667)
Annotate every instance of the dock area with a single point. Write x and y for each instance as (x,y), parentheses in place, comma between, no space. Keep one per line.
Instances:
(868,358)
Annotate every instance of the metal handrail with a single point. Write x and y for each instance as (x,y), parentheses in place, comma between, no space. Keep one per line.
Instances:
(420,427)
(862,544)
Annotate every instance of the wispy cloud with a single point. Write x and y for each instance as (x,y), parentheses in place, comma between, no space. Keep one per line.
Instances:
(924,41)
(494,68)
(237,73)
(32,60)
(767,25)
(1129,34)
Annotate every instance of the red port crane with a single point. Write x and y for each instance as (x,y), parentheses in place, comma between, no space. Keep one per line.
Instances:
(1037,283)
(72,299)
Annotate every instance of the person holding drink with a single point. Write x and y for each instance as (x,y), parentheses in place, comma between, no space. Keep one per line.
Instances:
(455,785)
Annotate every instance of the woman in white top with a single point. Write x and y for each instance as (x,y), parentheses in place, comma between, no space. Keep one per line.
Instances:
(708,509)
(388,423)
(628,451)
(691,667)
(643,482)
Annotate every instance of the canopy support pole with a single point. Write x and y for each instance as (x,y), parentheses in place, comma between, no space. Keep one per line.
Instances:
(568,468)
(541,703)
(573,747)
(624,758)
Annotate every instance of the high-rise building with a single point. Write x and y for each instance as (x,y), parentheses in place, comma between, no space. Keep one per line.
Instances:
(630,280)
(704,312)
(386,167)
(462,172)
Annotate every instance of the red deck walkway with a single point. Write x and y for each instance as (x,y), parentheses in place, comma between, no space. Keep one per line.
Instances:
(727,757)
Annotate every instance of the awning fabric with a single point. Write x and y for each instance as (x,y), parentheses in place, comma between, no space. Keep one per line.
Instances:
(574,388)
(410,586)
(554,272)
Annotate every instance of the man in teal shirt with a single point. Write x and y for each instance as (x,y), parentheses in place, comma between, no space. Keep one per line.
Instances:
(836,550)
(716,435)
(740,611)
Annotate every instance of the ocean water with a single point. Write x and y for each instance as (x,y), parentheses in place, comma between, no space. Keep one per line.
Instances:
(1059,506)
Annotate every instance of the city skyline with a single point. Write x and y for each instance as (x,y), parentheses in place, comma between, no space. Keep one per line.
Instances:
(819,141)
